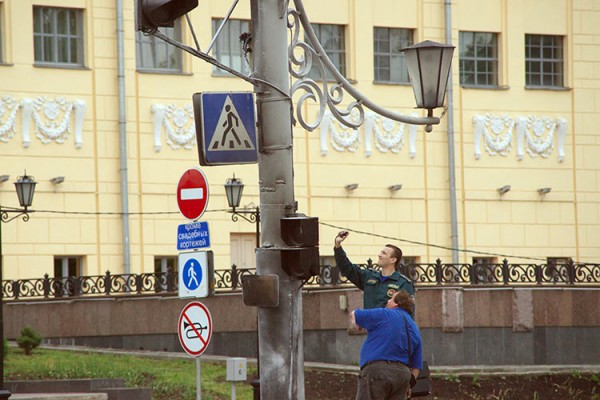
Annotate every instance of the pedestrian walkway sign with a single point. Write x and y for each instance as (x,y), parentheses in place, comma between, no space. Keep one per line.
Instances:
(193,274)
(225,128)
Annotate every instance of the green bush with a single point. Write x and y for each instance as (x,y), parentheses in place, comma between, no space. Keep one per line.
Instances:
(29,340)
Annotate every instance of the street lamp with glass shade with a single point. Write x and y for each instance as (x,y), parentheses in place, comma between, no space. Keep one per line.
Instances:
(428,65)
(233,190)
(25,187)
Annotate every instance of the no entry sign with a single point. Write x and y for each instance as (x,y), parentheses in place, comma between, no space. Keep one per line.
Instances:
(195,328)
(192,193)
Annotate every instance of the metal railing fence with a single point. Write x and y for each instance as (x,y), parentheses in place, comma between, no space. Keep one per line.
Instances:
(227,280)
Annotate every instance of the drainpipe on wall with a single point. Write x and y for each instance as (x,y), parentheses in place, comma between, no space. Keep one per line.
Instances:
(451,161)
(123,139)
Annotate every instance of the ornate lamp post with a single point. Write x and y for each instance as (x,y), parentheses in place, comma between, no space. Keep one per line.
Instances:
(25,186)
(234,189)
(274,59)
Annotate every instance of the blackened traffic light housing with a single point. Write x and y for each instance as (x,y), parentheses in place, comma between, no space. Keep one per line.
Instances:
(301,233)
(153,14)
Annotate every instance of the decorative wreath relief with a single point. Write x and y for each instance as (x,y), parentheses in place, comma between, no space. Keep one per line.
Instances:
(342,138)
(497,134)
(539,136)
(178,123)
(8,116)
(498,138)
(390,136)
(52,118)
(533,134)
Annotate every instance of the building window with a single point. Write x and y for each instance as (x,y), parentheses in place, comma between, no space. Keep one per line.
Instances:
(478,57)
(544,61)
(483,270)
(165,268)
(243,250)
(66,271)
(228,46)
(333,41)
(390,64)
(153,54)
(58,36)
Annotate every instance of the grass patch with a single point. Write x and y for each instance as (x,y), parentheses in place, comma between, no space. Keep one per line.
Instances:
(169,379)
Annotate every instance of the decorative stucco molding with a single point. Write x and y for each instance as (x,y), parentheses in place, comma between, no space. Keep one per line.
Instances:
(496,132)
(534,135)
(8,117)
(342,137)
(178,123)
(387,135)
(51,117)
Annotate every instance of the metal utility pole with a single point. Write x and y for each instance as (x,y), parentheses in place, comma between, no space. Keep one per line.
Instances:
(279,328)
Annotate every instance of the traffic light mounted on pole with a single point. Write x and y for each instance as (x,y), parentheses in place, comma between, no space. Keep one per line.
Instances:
(301,233)
(153,14)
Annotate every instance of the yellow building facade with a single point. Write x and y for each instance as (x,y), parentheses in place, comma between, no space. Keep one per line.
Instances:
(525,111)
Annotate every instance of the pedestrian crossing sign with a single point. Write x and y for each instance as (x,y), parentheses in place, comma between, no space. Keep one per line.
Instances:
(225,128)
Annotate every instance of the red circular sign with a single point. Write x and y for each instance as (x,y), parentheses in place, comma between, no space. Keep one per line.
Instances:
(192,193)
(194,328)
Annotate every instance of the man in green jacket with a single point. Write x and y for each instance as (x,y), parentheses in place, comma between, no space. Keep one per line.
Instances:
(378,286)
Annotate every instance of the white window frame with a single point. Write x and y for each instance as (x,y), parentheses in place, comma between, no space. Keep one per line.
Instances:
(480,61)
(396,65)
(48,41)
(159,51)
(228,46)
(65,273)
(337,55)
(546,58)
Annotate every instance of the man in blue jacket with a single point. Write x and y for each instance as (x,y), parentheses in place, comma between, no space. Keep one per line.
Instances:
(378,286)
(391,356)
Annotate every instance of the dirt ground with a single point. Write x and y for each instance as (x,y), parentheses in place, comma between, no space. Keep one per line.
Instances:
(322,385)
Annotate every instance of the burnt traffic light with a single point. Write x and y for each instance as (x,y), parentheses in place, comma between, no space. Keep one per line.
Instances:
(153,14)
(301,233)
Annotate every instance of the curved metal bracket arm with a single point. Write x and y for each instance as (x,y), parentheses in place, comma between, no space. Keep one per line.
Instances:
(341,82)
(252,216)
(4,214)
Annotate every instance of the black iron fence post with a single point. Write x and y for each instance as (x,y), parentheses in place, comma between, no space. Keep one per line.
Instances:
(234,277)
(505,274)
(171,279)
(438,271)
(473,273)
(571,271)
(15,289)
(46,286)
(107,283)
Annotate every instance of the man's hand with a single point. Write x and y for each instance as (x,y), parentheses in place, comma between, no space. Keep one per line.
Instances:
(340,238)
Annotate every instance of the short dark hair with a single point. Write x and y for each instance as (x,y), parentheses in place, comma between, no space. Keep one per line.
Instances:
(396,253)
(404,300)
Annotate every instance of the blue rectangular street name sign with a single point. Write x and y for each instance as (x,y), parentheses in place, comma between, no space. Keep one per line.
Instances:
(193,236)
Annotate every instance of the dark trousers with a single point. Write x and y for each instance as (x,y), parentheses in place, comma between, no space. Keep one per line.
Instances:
(383,381)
